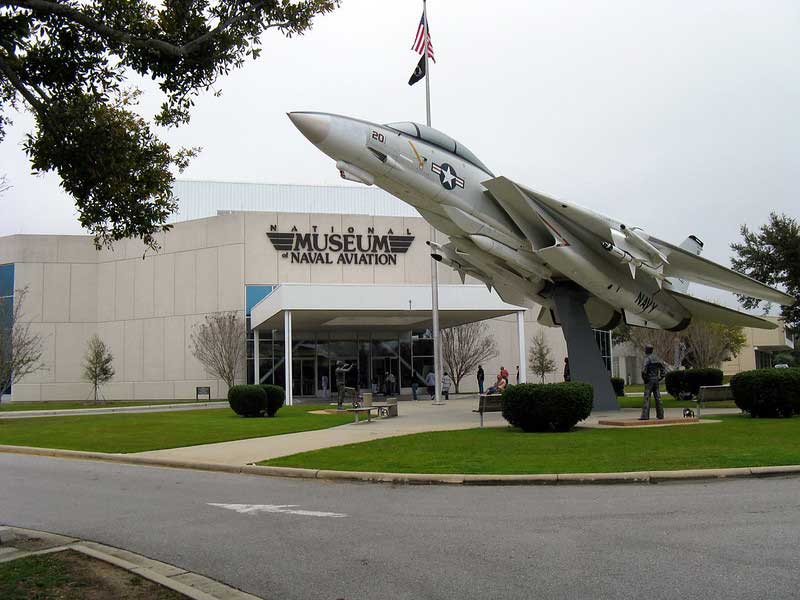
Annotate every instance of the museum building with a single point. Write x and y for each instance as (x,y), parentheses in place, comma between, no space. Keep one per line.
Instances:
(320,274)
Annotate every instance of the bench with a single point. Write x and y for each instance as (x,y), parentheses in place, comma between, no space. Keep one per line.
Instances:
(712,393)
(362,410)
(489,403)
(388,408)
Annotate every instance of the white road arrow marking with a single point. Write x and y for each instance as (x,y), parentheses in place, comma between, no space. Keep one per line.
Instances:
(251,509)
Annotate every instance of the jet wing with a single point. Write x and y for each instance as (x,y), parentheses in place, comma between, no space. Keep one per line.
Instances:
(686,265)
(708,311)
(509,192)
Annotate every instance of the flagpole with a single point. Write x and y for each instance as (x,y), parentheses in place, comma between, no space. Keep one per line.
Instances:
(437,346)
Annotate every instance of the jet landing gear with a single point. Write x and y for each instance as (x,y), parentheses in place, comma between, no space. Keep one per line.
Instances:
(585,362)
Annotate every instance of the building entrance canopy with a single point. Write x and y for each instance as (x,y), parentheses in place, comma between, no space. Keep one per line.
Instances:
(388,327)
(339,307)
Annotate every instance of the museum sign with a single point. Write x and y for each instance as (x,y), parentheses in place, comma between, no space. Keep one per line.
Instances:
(331,248)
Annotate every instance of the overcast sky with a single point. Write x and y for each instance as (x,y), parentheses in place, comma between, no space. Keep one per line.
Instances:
(680,117)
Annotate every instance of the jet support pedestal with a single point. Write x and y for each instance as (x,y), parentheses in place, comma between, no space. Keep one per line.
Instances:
(585,362)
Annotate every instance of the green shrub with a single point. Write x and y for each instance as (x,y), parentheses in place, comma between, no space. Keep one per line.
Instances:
(694,379)
(247,400)
(275,398)
(618,383)
(686,384)
(675,383)
(547,406)
(767,392)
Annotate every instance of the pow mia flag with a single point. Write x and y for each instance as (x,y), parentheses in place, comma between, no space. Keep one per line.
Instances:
(419,72)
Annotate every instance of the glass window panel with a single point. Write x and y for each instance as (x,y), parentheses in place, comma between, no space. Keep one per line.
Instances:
(7,280)
(422,347)
(255,294)
(304,347)
(422,366)
(385,347)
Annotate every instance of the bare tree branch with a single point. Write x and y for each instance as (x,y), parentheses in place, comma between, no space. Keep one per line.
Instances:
(20,348)
(465,347)
(219,344)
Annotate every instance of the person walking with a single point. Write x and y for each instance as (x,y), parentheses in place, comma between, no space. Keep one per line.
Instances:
(390,381)
(324,386)
(567,376)
(430,382)
(517,374)
(446,383)
(653,372)
(481,377)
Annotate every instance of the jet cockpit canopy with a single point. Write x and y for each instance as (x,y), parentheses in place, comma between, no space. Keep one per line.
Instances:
(441,140)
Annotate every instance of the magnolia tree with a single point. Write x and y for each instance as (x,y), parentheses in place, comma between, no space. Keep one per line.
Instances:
(98,366)
(74,64)
(540,360)
(20,346)
(219,344)
(464,347)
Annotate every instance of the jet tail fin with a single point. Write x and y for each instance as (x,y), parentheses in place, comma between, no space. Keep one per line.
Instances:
(691,244)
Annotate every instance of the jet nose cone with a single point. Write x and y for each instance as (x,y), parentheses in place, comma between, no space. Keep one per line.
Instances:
(314,126)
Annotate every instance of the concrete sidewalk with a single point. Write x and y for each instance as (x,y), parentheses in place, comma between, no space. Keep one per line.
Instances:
(414,417)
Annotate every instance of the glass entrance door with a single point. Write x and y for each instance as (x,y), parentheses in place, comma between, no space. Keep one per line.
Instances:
(385,375)
(303,383)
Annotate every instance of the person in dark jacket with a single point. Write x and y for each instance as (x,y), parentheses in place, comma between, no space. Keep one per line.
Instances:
(567,376)
(481,377)
(653,372)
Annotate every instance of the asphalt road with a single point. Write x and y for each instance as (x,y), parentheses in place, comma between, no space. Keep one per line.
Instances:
(728,539)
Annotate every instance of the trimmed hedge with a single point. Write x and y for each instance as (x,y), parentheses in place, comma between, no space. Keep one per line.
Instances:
(275,398)
(547,406)
(767,392)
(686,384)
(697,378)
(675,383)
(247,400)
(618,383)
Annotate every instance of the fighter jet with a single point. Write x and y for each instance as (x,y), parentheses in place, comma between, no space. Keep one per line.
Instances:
(584,269)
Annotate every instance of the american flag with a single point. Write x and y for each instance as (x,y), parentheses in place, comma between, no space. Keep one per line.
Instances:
(419,41)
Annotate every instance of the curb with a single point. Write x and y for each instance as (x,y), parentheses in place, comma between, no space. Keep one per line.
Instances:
(187,583)
(421,478)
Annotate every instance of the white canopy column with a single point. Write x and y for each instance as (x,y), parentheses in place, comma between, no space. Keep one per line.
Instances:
(287,363)
(256,359)
(523,361)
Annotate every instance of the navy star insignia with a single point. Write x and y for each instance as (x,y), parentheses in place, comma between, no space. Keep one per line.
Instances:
(447,176)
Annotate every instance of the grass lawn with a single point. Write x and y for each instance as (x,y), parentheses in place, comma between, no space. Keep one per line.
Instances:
(69,575)
(16,406)
(738,441)
(137,432)
(670,402)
